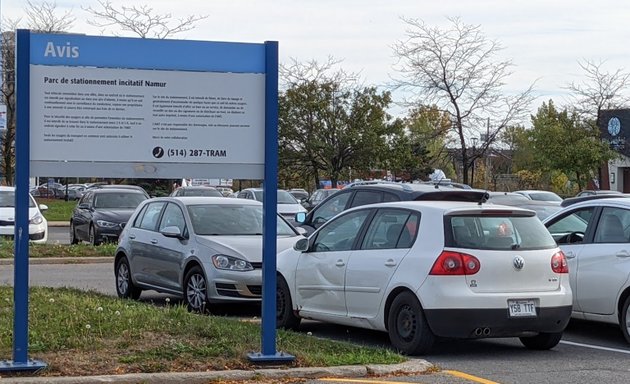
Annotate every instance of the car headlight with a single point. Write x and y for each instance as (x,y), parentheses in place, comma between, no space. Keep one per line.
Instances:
(37,219)
(106,224)
(231,263)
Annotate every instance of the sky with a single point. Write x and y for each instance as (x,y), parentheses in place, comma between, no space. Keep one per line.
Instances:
(544,39)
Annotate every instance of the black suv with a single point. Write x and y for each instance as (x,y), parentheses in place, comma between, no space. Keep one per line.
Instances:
(101,213)
(362,194)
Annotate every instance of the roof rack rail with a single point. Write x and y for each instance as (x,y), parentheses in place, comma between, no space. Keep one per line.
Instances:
(573,200)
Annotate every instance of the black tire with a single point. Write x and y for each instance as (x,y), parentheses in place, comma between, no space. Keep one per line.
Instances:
(73,235)
(285,317)
(408,330)
(541,342)
(196,290)
(92,236)
(624,320)
(124,285)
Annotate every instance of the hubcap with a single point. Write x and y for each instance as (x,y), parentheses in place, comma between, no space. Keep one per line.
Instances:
(196,292)
(406,323)
(123,278)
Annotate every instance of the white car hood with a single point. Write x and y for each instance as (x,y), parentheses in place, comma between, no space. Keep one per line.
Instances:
(8,213)
(245,247)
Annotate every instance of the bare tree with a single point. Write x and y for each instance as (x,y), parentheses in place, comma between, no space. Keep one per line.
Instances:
(42,17)
(600,90)
(457,70)
(140,20)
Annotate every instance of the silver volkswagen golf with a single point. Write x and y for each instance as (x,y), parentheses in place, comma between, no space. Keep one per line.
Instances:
(204,249)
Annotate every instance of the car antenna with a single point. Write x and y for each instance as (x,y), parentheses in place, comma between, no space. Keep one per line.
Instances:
(484,198)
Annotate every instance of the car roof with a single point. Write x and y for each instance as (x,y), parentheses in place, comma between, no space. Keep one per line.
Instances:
(579,199)
(118,190)
(449,207)
(218,200)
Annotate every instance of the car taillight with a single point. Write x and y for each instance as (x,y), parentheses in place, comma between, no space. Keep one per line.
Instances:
(455,263)
(559,263)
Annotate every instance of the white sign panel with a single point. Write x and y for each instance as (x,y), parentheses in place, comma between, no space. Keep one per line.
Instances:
(81,114)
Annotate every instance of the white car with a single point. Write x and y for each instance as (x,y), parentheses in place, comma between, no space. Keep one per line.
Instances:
(37,224)
(205,249)
(595,237)
(288,205)
(426,269)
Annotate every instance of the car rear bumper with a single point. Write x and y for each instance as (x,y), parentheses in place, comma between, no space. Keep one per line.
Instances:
(495,322)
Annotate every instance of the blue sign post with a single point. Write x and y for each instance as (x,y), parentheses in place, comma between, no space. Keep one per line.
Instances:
(236,84)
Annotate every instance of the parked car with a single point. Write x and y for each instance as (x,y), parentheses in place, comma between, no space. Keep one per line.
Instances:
(288,206)
(420,270)
(205,249)
(37,224)
(317,197)
(197,191)
(300,194)
(369,193)
(102,213)
(542,208)
(539,195)
(595,237)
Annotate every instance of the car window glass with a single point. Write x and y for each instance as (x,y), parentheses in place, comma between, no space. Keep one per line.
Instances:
(574,222)
(387,197)
(387,228)
(151,216)
(499,232)
(138,219)
(173,216)
(366,197)
(7,199)
(226,219)
(613,226)
(339,235)
(330,208)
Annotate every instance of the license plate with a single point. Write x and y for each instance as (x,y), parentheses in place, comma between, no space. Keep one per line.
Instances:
(522,308)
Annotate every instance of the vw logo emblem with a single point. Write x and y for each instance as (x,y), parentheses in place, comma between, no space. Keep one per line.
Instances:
(518,262)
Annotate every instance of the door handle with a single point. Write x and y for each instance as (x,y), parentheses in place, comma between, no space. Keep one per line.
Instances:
(390,263)
(570,254)
(623,254)
(132,237)
(153,241)
(340,263)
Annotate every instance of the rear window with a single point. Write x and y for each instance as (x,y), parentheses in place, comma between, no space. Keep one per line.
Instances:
(497,232)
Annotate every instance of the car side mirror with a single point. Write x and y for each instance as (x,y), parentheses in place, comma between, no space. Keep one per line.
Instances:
(43,207)
(172,231)
(84,206)
(301,230)
(300,217)
(301,245)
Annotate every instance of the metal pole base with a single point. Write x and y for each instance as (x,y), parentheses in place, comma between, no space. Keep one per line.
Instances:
(30,365)
(279,357)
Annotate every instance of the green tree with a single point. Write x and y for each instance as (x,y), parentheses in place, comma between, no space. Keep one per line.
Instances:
(564,142)
(328,124)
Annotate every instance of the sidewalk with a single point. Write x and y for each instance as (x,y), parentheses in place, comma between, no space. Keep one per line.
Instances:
(411,367)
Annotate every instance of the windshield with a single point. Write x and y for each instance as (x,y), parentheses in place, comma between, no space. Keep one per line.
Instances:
(284,197)
(232,219)
(201,192)
(7,199)
(118,200)
(545,196)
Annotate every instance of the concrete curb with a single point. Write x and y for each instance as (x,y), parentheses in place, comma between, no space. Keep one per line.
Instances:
(414,366)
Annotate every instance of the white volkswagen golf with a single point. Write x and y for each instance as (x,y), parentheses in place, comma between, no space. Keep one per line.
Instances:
(426,269)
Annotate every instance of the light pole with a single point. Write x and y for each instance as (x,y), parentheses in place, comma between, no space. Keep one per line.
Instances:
(472,168)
